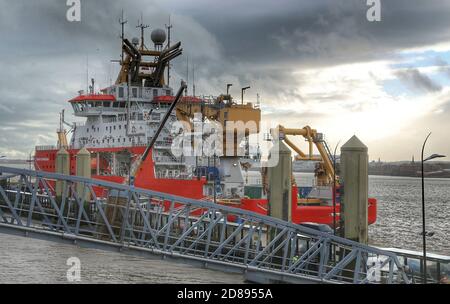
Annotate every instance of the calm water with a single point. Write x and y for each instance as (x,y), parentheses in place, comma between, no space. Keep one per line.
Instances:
(398,225)
(24,260)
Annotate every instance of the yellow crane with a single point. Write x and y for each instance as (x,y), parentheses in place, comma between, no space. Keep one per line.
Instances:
(223,110)
(325,173)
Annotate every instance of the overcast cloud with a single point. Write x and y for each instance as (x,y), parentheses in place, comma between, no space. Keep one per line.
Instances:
(318,63)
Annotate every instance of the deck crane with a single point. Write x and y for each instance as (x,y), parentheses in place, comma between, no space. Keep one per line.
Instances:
(325,173)
(137,164)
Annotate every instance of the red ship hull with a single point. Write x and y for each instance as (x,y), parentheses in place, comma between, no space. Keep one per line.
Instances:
(193,188)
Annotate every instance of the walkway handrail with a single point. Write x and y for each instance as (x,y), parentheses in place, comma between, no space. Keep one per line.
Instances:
(193,228)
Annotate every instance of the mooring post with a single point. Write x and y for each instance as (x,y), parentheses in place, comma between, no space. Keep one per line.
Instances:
(280,191)
(280,183)
(355,180)
(83,169)
(62,166)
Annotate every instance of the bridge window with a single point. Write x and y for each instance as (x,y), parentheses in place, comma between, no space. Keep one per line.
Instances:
(106,104)
(134,92)
(121,92)
(155,92)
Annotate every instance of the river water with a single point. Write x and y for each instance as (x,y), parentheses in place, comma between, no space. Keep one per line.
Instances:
(398,225)
(399,214)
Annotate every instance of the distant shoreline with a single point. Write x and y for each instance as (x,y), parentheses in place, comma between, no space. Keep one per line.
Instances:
(13,161)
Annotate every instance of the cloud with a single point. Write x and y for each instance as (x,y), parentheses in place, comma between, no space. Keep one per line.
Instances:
(312,62)
(418,81)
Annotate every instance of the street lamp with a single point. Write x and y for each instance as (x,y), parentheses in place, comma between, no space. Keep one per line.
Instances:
(228,88)
(242,94)
(424,234)
(334,188)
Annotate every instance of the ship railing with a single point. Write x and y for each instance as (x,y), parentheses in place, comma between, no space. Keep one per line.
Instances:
(78,124)
(187,229)
(45,147)
(168,160)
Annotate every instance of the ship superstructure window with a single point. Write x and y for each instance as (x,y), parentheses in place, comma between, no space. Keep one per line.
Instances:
(155,92)
(134,92)
(168,92)
(121,92)
(106,104)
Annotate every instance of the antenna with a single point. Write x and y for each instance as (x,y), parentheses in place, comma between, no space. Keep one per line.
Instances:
(122,22)
(168,27)
(142,27)
(87,73)
(187,74)
(193,79)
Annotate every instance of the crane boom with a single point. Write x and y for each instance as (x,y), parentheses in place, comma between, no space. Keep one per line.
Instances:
(313,138)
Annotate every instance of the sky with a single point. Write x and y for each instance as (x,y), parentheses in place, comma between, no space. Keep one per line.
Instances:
(319,63)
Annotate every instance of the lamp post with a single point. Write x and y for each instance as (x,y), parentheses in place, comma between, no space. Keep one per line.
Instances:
(228,88)
(242,94)
(334,188)
(424,234)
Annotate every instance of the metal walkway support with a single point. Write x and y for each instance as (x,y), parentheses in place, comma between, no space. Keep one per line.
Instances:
(219,237)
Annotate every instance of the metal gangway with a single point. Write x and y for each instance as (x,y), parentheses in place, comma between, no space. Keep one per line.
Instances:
(99,214)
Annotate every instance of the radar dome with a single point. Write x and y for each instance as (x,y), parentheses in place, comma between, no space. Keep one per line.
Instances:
(158,36)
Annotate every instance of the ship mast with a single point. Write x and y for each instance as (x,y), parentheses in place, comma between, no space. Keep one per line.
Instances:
(122,22)
(169,27)
(142,26)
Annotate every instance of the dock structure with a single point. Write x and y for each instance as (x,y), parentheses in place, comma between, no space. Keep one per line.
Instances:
(185,230)
(355,177)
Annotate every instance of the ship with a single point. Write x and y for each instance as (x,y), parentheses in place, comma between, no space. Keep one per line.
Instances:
(123,118)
